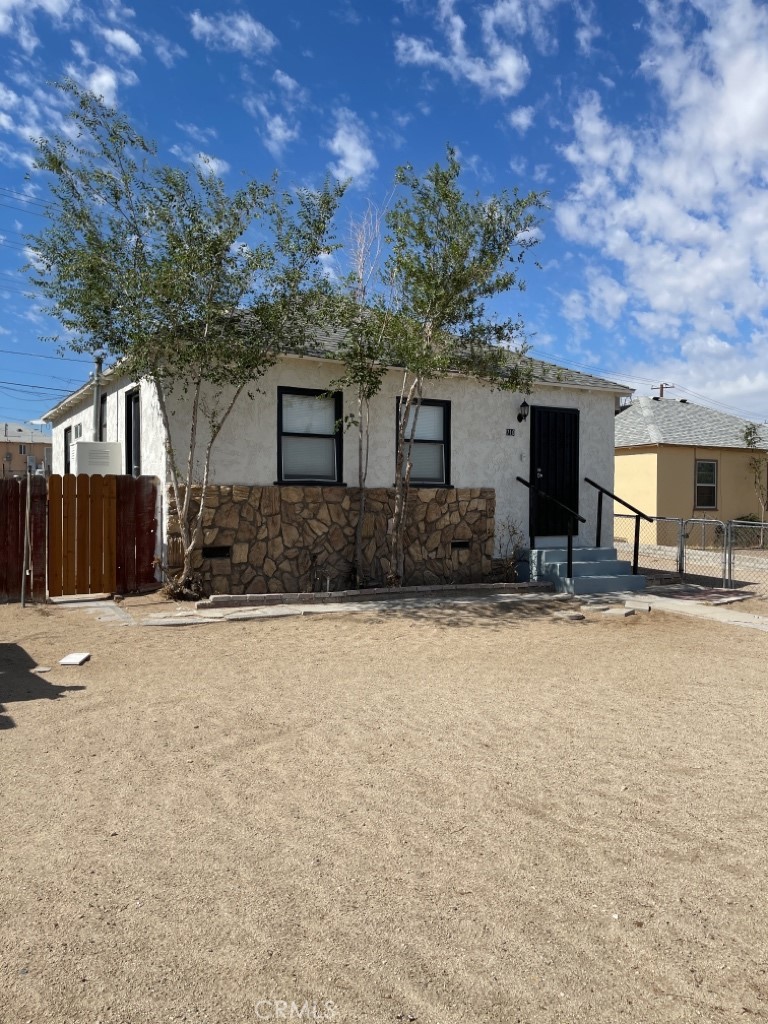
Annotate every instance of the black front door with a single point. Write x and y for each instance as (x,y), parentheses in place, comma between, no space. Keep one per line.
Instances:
(554,468)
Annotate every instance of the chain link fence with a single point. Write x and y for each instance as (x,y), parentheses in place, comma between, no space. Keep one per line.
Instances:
(706,551)
(747,548)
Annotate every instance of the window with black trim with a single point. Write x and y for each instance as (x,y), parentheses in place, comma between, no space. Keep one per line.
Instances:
(67,447)
(133,433)
(706,483)
(309,439)
(431,450)
(103,418)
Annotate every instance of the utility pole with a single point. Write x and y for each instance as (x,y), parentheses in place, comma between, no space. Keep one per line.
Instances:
(660,388)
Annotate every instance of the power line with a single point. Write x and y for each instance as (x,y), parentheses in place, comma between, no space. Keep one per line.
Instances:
(36,355)
(31,387)
(22,196)
(21,209)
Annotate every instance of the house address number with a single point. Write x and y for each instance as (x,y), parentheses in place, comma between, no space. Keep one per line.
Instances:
(510,431)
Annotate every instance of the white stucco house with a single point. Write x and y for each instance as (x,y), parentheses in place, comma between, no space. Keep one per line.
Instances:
(281,466)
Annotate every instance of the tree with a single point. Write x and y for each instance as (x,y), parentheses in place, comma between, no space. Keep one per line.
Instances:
(758,467)
(449,255)
(151,265)
(362,318)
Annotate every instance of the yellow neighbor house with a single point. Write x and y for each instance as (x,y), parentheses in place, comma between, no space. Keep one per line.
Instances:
(681,460)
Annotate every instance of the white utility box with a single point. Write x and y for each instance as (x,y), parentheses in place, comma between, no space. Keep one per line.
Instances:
(96,458)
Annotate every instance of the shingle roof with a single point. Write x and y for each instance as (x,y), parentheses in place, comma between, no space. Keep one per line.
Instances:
(651,421)
(328,342)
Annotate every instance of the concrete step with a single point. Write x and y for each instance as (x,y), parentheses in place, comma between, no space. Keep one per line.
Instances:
(600,584)
(612,567)
(580,554)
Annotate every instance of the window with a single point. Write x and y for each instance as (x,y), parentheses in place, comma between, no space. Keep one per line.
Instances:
(431,451)
(22,449)
(8,457)
(706,483)
(67,446)
(133,433)
(308,436)
(78,431)
(103,418)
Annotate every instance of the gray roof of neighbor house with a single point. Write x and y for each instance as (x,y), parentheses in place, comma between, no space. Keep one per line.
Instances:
(23,433)
(654,421)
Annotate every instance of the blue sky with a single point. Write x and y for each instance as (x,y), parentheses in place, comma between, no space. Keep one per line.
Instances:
(646,121)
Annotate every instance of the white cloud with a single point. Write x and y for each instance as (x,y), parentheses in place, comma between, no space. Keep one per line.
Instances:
(351,146)
(522,118)
(291,92)
(278,134)
(16,18)
(204,162)
(102,80)
(501,69)
(683,207)
(502,73)
(238,32)
(165,51)
(119,42)
(201,135)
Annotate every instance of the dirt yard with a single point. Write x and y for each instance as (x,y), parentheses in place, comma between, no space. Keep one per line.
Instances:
(484,816)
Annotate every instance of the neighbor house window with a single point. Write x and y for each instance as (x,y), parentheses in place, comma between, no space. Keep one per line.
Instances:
(67,446)
(133,433)
(309,436)
(22,449)
(431,450)
(706,483)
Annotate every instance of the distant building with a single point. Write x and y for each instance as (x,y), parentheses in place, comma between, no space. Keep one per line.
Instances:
(24,448)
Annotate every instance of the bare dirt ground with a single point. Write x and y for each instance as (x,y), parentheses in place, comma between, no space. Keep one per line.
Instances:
(477,816)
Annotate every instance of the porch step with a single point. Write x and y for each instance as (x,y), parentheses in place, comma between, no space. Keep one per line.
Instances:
(593,570)
(607,567)
(580,554)
(600,584)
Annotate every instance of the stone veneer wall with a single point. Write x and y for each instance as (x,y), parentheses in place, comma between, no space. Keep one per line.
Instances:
(298,539)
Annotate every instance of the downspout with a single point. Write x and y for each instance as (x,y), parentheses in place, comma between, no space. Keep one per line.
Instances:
(97,364)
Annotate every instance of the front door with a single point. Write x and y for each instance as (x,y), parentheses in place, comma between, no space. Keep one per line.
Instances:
(554,468)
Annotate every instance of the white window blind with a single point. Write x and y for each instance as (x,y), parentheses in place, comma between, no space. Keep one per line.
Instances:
(309,458)
(428,462)
(429,425)
(306,414)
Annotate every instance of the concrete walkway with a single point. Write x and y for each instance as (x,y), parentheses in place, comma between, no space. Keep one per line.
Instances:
(697,602)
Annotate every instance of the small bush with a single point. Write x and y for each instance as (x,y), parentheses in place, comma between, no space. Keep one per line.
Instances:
(187,587)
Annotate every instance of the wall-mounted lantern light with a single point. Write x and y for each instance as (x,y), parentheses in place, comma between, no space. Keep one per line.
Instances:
(522,416)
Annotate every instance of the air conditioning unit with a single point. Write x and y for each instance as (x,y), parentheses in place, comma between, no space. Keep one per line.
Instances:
(96,457)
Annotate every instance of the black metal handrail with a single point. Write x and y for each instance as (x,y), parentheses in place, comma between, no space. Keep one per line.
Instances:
(638,516)
(572,515)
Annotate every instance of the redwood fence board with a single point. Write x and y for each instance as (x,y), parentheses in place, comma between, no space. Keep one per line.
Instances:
(55,537)
(109,575)
(96,533)
(146,529)
(13,513)
(126,534)
(38,510)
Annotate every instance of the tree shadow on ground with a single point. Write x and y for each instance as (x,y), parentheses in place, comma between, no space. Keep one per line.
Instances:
(493,612)
(18,682)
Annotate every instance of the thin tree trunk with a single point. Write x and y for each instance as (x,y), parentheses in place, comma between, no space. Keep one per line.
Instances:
(403,467)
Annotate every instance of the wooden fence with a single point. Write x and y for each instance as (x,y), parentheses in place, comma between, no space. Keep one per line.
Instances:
(100,535)
(13,510)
